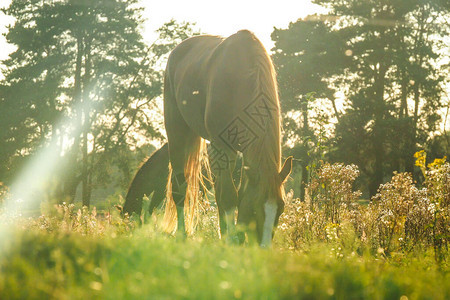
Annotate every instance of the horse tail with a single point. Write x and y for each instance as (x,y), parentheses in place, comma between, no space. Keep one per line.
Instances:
(193,172)
(170,211)
(197,159)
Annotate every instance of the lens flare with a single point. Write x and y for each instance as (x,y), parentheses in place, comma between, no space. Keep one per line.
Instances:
(30,185)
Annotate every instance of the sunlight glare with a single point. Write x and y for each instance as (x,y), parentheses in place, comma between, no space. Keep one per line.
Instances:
(228,17)
(28,190)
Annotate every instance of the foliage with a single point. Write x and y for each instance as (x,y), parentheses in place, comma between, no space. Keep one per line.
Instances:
(385,58)
(330,201)
(332,189)
(437,182)
(3,192)
(392,205)
(82,82)
(77,65)
(310,141)
(400,218)
(69,219)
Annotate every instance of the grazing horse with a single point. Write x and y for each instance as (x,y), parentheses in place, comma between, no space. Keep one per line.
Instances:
(150,178)
(225,91)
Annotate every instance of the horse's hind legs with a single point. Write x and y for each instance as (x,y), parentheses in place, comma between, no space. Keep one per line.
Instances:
(179,185)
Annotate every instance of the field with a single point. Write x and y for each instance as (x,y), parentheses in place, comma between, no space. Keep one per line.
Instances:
(143,264)
(330,246)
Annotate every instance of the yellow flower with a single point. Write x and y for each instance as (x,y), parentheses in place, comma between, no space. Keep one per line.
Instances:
(421,158)
(437,162)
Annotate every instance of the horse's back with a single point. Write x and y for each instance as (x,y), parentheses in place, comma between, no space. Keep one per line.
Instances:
(212,81)
(186,78)
(191,53)
(233,82)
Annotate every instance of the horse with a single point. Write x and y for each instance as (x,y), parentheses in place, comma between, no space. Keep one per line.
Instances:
(150,178)
(224,90)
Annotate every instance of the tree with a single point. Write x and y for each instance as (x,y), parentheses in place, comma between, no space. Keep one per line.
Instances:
(305,55)
(383,56)
(85,63)
(393,66)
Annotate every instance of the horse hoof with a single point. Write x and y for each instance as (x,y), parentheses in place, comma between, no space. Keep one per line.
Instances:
(180,236)
(234,239)
(231,240)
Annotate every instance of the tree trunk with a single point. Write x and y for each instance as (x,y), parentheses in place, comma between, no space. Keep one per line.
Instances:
(401,140)
(306,132)
(86,187)
(412,143)
(336,112)
(378,130)
(71,179)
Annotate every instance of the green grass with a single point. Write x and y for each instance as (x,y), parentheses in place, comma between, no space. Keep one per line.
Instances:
(146,264)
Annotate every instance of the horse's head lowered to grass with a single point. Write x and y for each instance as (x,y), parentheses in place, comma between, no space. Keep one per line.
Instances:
(261,204)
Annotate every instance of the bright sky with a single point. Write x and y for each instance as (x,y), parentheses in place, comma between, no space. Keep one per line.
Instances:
(227,17)
(220,18)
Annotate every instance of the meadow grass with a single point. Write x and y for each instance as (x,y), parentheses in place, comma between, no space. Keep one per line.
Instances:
(326,247)
(146,264)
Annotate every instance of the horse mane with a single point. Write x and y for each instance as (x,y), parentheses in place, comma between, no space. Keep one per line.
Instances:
(265,153)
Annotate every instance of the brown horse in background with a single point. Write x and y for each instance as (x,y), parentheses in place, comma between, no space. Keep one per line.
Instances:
(150,180)
(225,91)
